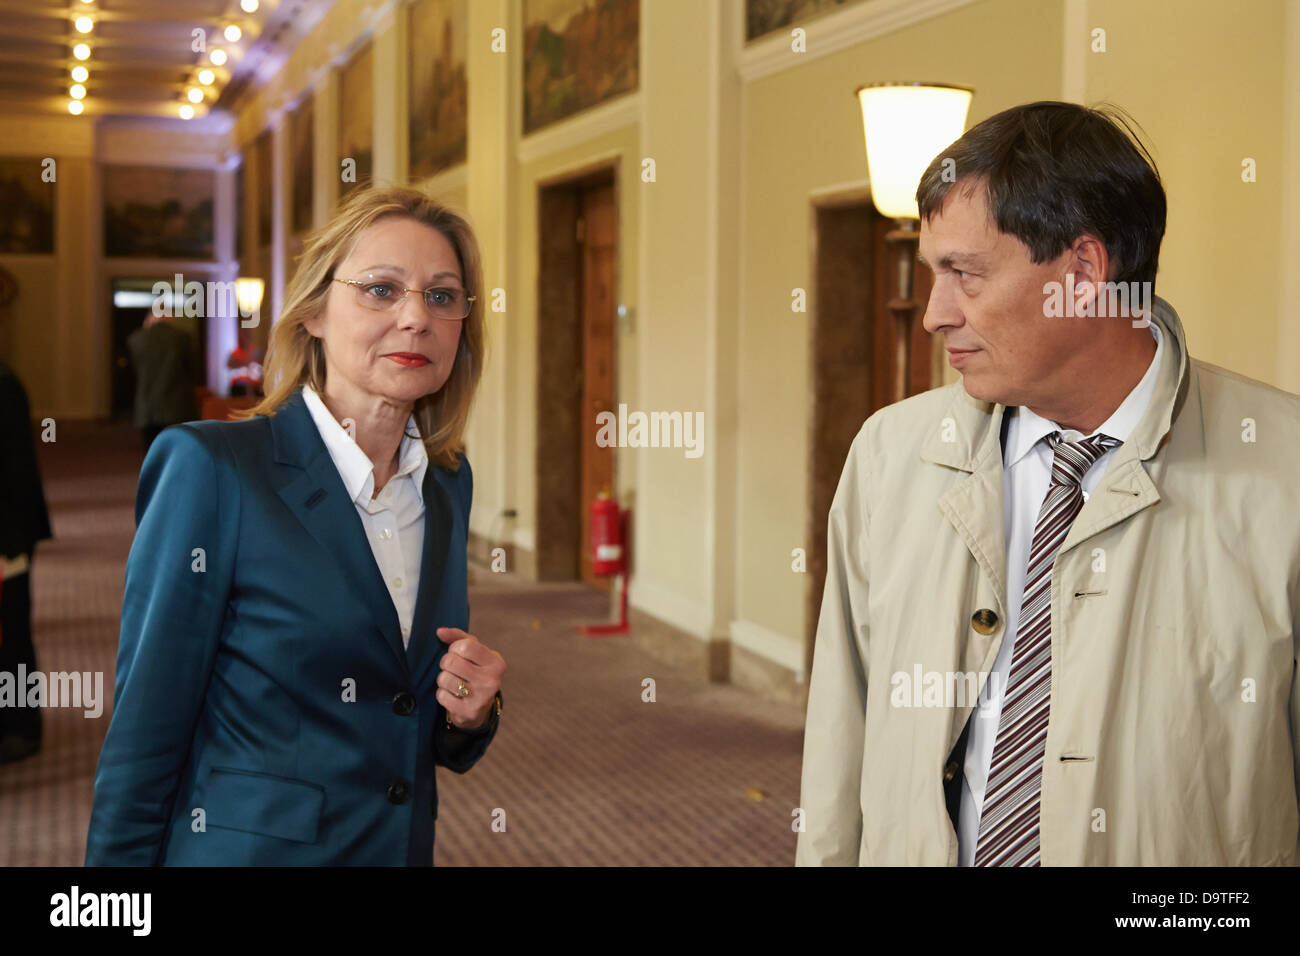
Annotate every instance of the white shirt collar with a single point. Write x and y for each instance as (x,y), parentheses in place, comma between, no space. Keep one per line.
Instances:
(1026,429)
(356,470)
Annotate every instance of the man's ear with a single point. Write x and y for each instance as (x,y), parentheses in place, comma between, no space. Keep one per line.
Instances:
(1090,263)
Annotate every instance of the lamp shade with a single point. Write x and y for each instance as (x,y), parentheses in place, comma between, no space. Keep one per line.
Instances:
(248,293)
(906,126)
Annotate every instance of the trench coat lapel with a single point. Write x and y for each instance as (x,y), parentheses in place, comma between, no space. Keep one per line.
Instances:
(968,438)
(425,646)
(1128,484)
(313,489)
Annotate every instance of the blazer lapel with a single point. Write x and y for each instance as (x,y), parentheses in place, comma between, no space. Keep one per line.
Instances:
(425,646)
(314,491)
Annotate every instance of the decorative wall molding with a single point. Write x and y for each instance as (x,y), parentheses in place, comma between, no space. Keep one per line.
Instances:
(587,125)
(769,645)
(669,606)
(832,33)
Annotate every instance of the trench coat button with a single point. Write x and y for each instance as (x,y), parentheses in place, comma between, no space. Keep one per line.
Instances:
(398,792)
(984,621)
(404,704)
(950,771)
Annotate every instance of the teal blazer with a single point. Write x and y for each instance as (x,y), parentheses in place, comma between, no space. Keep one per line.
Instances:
(266,711)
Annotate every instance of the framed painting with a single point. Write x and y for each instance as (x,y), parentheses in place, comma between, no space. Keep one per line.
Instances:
(26,207)
(262,158)
(577,54)
(438,93)
(356,120)
(767,16)
(158,212)
(302,153)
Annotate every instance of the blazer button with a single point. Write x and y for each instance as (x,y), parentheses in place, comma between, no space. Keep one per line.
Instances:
(404,704)
(950,771)
(984,621)
(398,792)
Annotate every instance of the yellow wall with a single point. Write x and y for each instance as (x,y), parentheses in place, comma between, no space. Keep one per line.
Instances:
(803,132)
(1208,91)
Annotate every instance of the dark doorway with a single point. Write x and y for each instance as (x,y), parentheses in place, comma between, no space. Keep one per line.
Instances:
(576,363)
(131,302)
(852,357)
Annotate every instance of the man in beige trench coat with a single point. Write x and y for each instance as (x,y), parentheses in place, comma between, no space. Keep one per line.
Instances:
(1098,532)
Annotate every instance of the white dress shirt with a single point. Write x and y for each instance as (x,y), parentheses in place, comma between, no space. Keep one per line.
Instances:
(393,521)
(1026,474)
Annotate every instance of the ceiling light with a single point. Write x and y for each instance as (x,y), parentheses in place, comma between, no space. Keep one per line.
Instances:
(217,56)
(80,73)
(77,91)
(248,6)
(187,111)
(84,24)
(75,107)
(206,77)
(233,33)
(81,51)
(195,94)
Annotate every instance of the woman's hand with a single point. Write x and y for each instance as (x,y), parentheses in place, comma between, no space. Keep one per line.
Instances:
(479,667)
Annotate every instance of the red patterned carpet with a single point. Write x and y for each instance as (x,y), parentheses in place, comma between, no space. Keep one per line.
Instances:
(582,771)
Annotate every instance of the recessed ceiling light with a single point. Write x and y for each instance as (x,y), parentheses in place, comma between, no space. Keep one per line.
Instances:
(233,33)
(248,6)
(81,51)
(195,94)
(217,56)
(206,77)
(75,107)
(186,111)
(80,73)
(77,91)
(84,24)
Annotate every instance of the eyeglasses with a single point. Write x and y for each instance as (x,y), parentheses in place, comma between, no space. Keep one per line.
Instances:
(442,301)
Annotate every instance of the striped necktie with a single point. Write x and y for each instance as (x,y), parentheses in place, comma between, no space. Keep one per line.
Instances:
(1008,834)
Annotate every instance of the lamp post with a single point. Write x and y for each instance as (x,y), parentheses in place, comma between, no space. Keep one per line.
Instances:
(906,125)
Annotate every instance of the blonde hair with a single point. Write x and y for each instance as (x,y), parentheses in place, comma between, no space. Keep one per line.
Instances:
(295,357)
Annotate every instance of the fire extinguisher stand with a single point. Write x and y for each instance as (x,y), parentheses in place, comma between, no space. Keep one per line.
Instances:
(608,533)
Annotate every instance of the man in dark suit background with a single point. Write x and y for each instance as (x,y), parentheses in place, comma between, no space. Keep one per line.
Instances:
(23,521)
(166,375)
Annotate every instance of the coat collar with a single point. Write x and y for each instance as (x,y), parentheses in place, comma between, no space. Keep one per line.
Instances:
(974,437)
(968,438)
(313,489)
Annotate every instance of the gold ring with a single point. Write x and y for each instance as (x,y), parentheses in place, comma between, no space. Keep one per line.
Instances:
(463,689)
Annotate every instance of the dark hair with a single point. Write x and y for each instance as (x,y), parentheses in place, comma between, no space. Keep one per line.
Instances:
(1054,171)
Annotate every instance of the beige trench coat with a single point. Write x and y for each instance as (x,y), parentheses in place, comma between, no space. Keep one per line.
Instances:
(1174,731)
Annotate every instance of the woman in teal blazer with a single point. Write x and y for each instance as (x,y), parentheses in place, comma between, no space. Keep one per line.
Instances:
(271,707)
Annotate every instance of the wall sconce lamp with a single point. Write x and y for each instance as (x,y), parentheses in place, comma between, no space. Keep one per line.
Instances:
(906,126)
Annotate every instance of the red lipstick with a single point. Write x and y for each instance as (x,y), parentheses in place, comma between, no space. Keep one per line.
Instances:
(408,359)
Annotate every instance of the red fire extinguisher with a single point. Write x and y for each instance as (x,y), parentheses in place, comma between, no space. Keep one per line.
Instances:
(606,536)
(608,557)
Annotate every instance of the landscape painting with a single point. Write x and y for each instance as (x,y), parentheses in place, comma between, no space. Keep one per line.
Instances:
(356,120)
(439,101)
(158,212)
(26,207)
(262,159)
(301,151)
(577,54)
(765,16)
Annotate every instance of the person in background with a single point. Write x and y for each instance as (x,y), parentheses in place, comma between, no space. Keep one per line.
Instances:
(166,376)
(23,522)
(245,365)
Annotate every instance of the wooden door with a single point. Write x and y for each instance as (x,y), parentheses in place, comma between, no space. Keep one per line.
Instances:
(597,237)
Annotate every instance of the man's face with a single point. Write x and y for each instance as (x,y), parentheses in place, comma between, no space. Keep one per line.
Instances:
(988,298)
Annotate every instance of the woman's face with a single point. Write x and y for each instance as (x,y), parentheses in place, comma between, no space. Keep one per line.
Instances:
(403,353)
